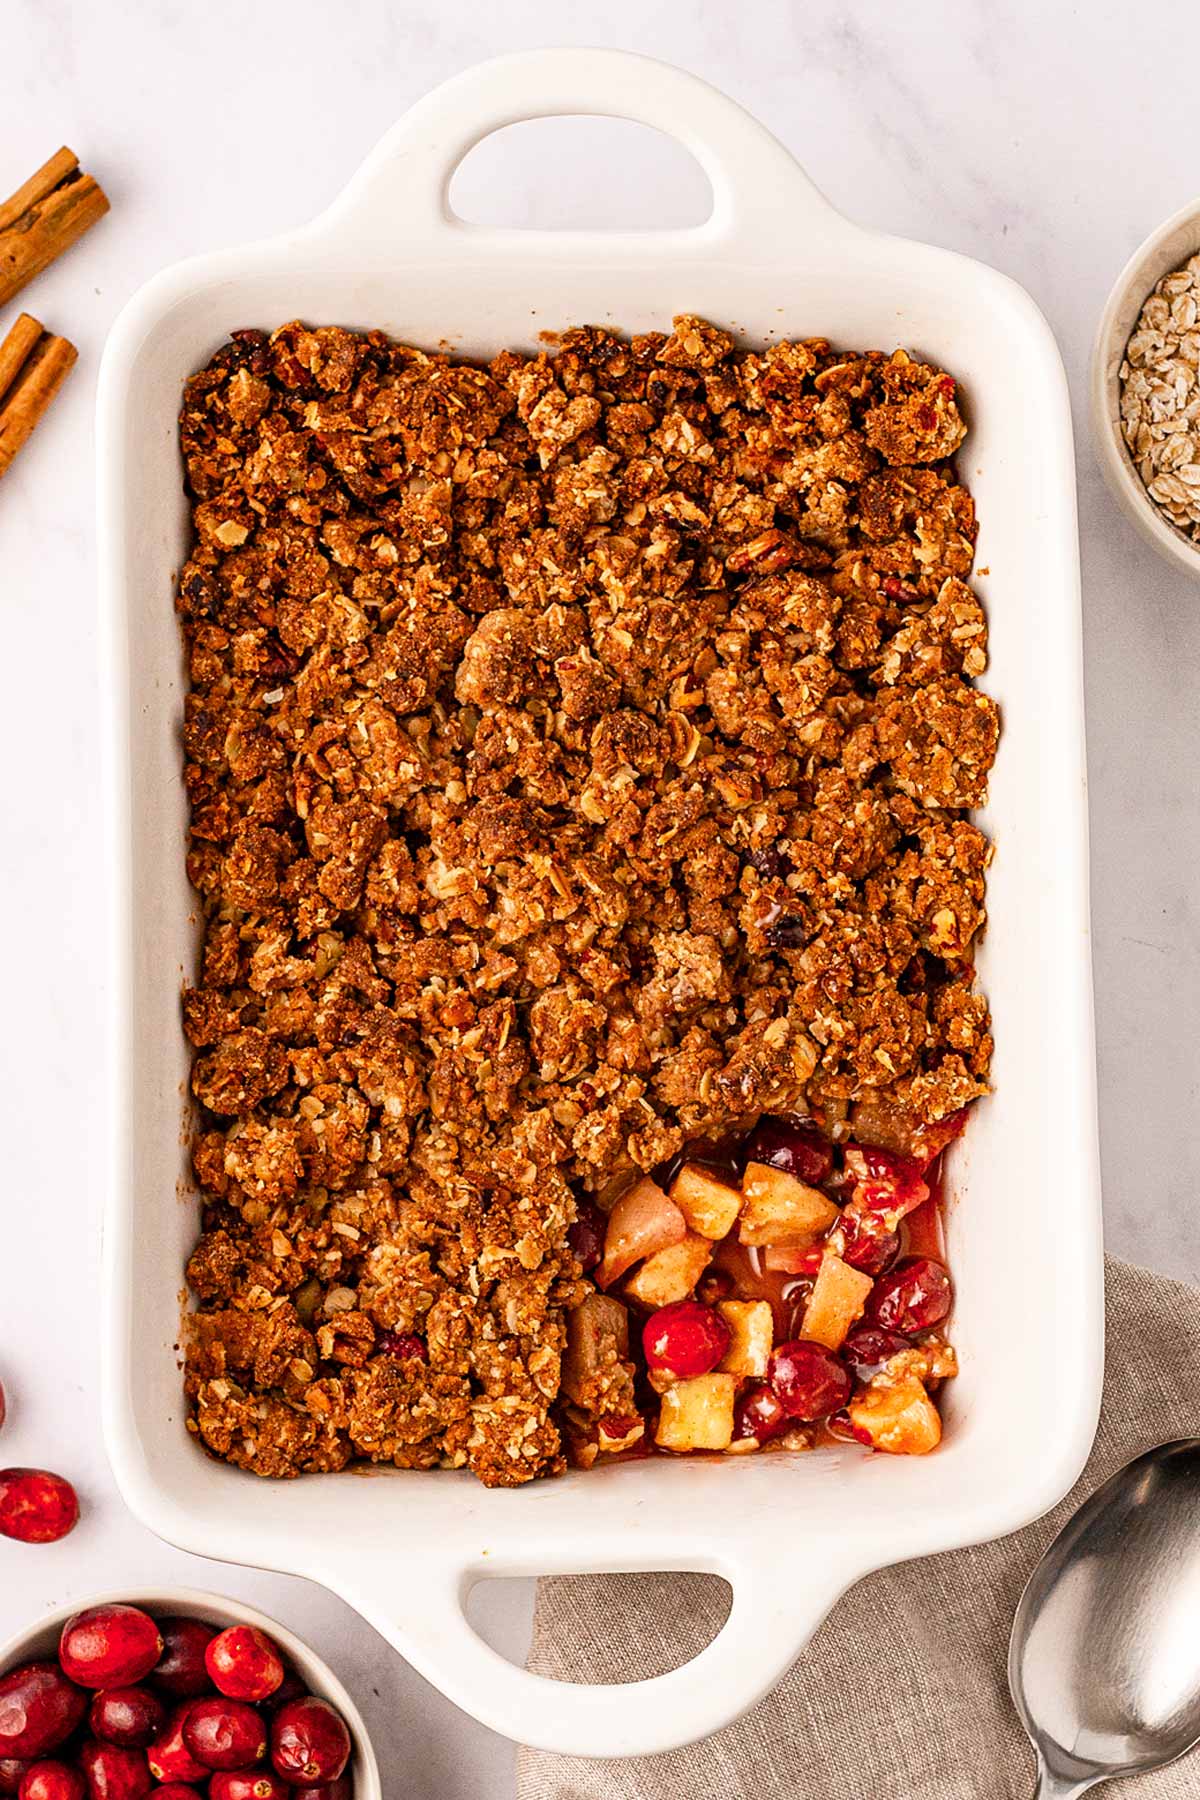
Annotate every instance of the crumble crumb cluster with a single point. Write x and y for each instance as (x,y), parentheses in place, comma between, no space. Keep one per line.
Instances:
(578,748)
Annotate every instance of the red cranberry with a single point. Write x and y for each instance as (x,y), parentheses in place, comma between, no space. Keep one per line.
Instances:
(870,1251)
(759,1415)
(403,1346)
(169,1757)
(794,1145)
(244,1663)
(181,1668)
(248,1784)
(885,1182)
(36,1507)
(109,1646)
(176,1790)
(129,1716)
(926,418)
(586,1236)
(684,1339)
(114,1774)
(52,1781)
(225,1734)
(39,1709)
(808,1381)
(12,1768)
(309,1742)
(341,1789)
(867,1349)
(290,1688)
(913,1296)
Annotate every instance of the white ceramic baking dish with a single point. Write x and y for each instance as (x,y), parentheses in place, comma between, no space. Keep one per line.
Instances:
(790,1533)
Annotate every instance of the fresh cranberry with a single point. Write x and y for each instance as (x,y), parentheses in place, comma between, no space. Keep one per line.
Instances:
(248,1784)
(176,1790)
(911,1297)
(129,1716)
(794,1145)
(341,1789)
(39,1709)
(759,1415)
(309,1742)
(244,1663)
(36,1507)
(586,1236)
(684,1339)
(808,1380)
(169,1757)
(867,1349)
(12,1769)
(225,1734)
(402,1346)
(181,1668)
(290,1688)
(109,1646)
(52,1781)
(870,1251)
(114,1774)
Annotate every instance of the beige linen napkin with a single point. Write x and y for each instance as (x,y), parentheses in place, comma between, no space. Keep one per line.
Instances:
(902,1693)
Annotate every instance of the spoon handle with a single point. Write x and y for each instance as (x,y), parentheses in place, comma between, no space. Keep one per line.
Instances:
(1055,1787)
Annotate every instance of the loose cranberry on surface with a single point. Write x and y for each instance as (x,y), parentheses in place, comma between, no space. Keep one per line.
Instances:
(870,1251)
(225,1734)
(243,1663)
(586,1236)
(248,1784)
(794,1145)
(39,1709)
(52,1781)
(867,1349)
(808,1381)
(181,1668)
(109,1646)
(911,1297)
(36,1506)
(309,1742)
(129,1716)
(684,1339)
(402,1346)
(169,1757)
(12,1768)
(114,1774)
(759,1415)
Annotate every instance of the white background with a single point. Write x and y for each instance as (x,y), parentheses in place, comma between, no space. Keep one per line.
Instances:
(1043,137)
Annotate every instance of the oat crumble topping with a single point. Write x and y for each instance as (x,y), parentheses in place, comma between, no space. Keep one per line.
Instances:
(579,749)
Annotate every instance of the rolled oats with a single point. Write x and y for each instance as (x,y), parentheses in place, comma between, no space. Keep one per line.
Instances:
(1160,397)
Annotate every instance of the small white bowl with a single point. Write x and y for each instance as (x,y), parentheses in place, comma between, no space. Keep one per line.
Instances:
(1165,249)
(42,1640)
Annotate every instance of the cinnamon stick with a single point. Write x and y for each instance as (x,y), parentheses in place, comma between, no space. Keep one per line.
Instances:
(33,366)
(44,217)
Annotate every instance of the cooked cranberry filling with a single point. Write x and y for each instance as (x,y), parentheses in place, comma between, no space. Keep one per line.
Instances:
(769,1293)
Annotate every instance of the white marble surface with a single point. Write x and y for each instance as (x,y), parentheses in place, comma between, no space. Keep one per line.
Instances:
(1045,139)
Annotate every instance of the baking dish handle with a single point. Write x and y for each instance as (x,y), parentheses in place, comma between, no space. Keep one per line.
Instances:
(762,199)
(422,1612)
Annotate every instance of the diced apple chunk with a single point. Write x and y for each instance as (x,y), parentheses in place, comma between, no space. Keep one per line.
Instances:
(897,1416)
(670,1274)
(708,1203)
(697,1414)
(751,1334)
(838,1297)
(597,1339)
(778,1209)
(642,1222)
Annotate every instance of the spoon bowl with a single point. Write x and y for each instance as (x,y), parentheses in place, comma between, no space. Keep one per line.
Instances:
(1104,1661)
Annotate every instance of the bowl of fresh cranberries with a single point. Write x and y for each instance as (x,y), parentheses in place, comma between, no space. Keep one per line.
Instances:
(175,1695)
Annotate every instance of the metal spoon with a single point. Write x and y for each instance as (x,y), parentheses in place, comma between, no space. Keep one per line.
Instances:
(1104,1662)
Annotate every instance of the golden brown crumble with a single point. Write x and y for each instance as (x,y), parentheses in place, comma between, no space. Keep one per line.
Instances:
(578,748)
